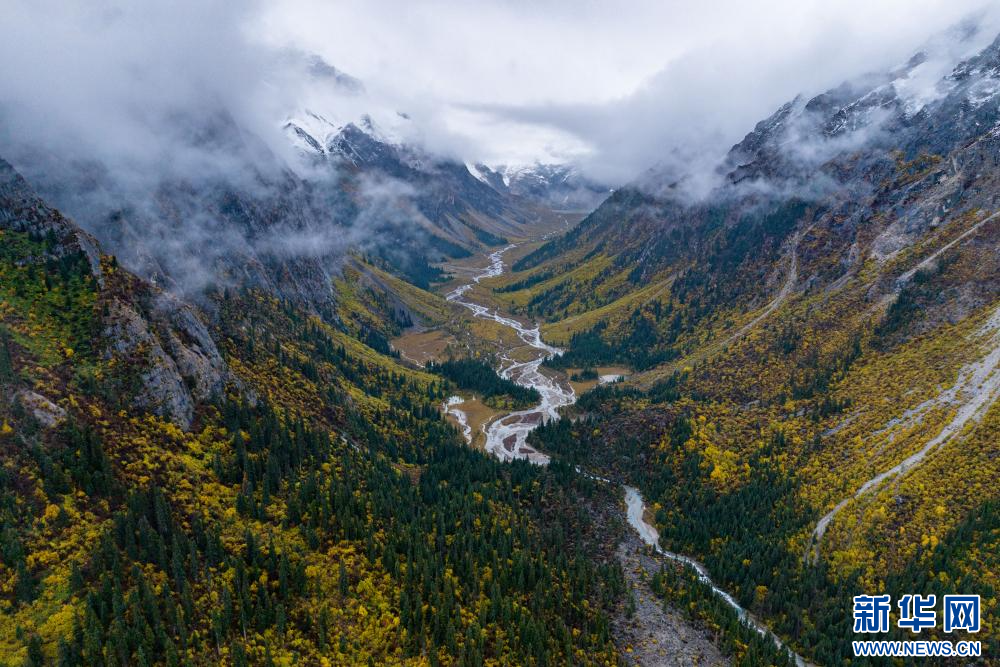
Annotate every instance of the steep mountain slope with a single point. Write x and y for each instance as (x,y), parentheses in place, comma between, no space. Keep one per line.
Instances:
(171,358)
(447,199)
(249,482)
(868,185)
(814,402)
(210,453)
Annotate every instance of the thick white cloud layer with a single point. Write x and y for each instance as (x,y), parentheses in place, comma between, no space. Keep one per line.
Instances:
(618,86)
(109,78)
(614,86)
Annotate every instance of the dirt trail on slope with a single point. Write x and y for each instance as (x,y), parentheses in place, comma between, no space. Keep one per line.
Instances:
(904,278)
(976,389)
(786,289)
(649,377)
(793,276)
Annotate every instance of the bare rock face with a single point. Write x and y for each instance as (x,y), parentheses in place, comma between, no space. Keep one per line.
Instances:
(47,413)
(162,389)
(22,210)
(186,339)
(173,352)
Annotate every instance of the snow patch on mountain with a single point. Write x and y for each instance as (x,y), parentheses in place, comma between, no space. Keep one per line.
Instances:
(986,88)
(317,134)
(560,186)
(923,85)
(476,173)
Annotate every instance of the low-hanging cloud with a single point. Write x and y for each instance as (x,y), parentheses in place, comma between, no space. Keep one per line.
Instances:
(138,83)
(110,108)
(140,92)
(142,120)
(614,88)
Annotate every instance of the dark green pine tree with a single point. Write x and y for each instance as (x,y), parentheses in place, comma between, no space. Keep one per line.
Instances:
(6,364)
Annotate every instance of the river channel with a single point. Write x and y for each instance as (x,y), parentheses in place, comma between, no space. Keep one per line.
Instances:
(507,436)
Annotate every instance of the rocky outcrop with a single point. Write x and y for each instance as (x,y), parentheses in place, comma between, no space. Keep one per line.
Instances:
(171,350)
(45,412)
(186,339)
(161,389)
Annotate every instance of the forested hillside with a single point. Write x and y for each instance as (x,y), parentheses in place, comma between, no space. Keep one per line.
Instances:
(257,486)
(814,404)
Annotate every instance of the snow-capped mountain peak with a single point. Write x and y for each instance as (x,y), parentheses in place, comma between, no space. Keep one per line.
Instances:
(559,185)
(312,132)
(317,134)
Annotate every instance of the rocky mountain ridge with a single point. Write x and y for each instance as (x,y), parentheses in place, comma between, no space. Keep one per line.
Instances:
(812,399)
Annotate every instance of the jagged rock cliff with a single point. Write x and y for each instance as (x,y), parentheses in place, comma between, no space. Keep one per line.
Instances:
(153,334)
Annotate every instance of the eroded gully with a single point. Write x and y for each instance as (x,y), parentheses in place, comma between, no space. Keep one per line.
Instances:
(506,437)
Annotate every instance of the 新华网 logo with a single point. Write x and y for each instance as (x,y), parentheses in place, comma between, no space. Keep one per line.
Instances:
(916,613)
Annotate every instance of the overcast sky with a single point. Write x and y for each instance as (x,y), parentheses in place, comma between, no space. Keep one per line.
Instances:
(615,86)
